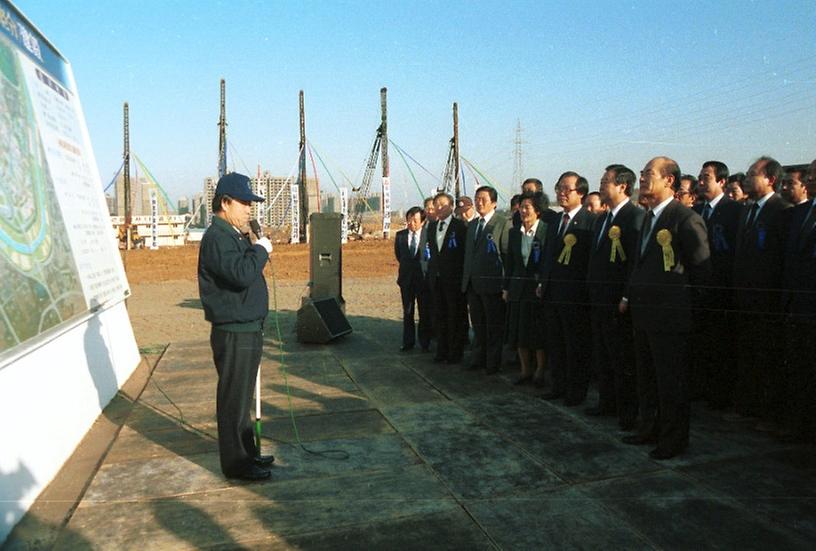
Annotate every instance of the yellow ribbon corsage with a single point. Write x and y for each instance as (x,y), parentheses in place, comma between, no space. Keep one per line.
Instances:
(617,248)
(566,253)
(664,239)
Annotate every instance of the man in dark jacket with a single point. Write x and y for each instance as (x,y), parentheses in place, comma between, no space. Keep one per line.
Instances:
(757,279)
(614,246)
(714,366)
(446,247)
(800,308)
(236,300)
(671,260)
(409,248)
(563,287)
(482,278)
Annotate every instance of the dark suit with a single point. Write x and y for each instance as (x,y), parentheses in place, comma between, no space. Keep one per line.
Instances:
(757,282)
(799,303)
(567,315)
(445,277)
(612,345)
(482,279)
(413,290)
(661,303)
(524,320)
(714,349)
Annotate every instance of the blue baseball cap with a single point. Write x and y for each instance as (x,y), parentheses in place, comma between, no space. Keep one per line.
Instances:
(236,186)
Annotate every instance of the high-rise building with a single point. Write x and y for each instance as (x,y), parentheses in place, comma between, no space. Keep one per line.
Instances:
(183,205)
(209,192)
(276,190)
(139,195)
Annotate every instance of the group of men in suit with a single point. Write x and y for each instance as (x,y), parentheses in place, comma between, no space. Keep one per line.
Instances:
(663,302)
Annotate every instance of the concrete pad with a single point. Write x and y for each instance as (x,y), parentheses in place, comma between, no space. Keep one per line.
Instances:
(779,485)
(388,382)
(457,383)
(439,415)
(258,511)
(330,426)
(474,462)
(558,519)
(444,530)
(677,513)
(132,445)
(175,475)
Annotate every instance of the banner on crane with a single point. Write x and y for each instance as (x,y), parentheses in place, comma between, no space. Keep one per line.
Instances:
(294,207)
(344,212)
(260,214)
(154,219)
(386,206)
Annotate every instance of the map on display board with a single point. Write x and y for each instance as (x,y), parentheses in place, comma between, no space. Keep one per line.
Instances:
(58,260)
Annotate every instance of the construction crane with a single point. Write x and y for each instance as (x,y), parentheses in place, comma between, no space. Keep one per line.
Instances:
(360,201)
(451,178)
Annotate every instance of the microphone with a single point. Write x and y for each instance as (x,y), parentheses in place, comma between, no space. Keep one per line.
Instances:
(255,227)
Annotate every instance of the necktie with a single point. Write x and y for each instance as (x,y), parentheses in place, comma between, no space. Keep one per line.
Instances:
(442,227)
(606,224)
(810,218)
(479,228)
(752,216)
(647,231)
(413,244)
(707,212)
(564,223)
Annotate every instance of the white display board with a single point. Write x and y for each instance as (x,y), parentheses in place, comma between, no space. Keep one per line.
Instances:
(66,342)
(52,209)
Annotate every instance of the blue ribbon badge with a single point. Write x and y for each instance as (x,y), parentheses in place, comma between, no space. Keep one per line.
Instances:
(452,244)
(536,254)
(491,245)
(762,233)
(720,242)
(427,253)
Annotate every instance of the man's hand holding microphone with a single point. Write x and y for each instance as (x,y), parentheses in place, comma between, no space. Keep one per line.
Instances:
(263,241)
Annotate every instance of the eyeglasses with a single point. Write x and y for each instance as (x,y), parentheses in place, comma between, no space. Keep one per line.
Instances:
(565,191)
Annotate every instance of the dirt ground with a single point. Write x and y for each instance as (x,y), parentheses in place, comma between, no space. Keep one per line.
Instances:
(361,259)
(164,305)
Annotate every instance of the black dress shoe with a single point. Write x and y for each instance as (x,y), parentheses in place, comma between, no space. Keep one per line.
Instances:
(523,380)
(627,424)
(439,359)
(637,440)
(491,370)
(571,402)
(593,412)
(264,460)
(660,455)
(474,367)
(455,360)
(552,395)
(404,348)
(253,472)
(425,349)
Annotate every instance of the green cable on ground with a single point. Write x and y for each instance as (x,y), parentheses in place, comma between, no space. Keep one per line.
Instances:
(333,454)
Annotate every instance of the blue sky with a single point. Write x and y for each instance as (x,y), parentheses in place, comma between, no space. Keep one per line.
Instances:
(591,82)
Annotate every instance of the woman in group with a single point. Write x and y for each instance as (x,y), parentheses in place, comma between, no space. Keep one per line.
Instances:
(525,254)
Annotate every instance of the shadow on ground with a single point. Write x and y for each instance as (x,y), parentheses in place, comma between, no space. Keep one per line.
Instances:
(377,449)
